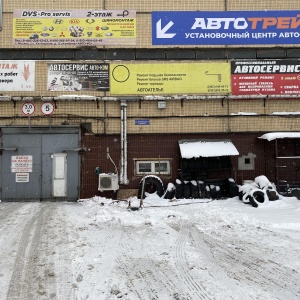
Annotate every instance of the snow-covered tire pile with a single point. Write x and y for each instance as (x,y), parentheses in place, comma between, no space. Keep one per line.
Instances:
(200,190)
(259,192)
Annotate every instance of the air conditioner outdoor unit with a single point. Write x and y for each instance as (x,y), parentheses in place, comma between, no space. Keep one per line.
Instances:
(108,182)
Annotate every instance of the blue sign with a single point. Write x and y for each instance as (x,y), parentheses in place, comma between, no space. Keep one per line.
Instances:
(225,27)
(141,122)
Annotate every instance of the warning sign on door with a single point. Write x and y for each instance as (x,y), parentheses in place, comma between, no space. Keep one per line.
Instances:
(21,163)
(22,177)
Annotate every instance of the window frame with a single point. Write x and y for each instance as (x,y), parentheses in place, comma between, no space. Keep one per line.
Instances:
(152,161)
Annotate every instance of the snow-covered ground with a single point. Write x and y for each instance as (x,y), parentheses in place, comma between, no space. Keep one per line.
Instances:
(185,249)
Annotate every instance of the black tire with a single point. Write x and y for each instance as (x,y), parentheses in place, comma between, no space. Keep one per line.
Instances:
(246,198)
(194,191)
(152,185)
(207,192)
(241,194)
(178,190)
(295,193)
(170,191)
(185,164)
(192,164)
(233,189)
(201,188)
(257,197)
(213,192)
(187,190)
(204,163)
(272,194)
(186,176)
(198,164)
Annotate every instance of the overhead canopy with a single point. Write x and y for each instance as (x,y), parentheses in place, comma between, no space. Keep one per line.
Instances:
(206,148)
(280,135)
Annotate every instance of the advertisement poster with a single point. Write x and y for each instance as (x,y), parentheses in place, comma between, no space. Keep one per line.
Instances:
(16,75)
(74,27)
(78,77)
(170,78)
(225,27)
(265,77)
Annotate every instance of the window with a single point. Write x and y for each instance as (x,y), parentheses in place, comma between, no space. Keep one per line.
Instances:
(152,167)
(247,161)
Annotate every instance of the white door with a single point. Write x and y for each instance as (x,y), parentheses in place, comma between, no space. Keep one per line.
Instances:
(59,175)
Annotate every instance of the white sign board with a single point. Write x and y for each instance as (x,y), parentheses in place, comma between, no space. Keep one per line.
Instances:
(17,75)
(22,177)
(21,163)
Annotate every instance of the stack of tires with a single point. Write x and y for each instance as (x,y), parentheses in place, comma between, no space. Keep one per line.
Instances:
(200,190)
(259,192)
(193,189)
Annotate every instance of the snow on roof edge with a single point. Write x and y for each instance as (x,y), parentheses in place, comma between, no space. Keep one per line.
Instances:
(206,148)
(279,135)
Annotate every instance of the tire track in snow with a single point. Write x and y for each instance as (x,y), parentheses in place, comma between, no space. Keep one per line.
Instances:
(10,214)
(91,264)
(195,289)
(247,262)
(146,273)
(22,275)
(58,252)
(34,272)
(222,284)
(13,219)
(134,267)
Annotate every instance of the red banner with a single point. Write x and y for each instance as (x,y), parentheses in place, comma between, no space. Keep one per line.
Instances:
(269,77)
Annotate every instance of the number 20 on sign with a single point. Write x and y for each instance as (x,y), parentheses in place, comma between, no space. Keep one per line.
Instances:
(28,108)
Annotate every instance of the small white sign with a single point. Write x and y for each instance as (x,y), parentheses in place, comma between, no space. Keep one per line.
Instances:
(28,108)
(21,163)
(22,177)
(47,108)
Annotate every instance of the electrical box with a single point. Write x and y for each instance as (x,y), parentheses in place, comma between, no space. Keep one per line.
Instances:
(161,104)
(247,162)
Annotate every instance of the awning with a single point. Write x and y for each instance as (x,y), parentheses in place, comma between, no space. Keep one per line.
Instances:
(280,135)
(206,148)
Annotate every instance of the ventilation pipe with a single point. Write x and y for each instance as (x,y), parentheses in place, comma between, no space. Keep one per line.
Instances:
(122,144)
(123,172)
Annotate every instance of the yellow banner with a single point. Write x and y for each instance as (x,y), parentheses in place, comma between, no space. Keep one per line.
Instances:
(36,27)
(175,78)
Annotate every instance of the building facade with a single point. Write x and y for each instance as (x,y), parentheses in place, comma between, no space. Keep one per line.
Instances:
(89,87)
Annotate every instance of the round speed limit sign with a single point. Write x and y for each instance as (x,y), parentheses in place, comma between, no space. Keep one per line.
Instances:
(47,108)
(28,108)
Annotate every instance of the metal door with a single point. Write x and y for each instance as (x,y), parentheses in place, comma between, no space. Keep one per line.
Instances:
(30,159)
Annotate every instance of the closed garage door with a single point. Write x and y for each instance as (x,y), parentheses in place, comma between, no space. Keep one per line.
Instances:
(39,164)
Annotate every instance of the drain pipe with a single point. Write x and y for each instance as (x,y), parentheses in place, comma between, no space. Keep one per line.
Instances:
(123,173)
(122,145)
(125,145)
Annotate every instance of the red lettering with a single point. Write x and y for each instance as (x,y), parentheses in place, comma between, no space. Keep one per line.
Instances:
(254,22)
(295,22)
(269,22)
(283,23)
